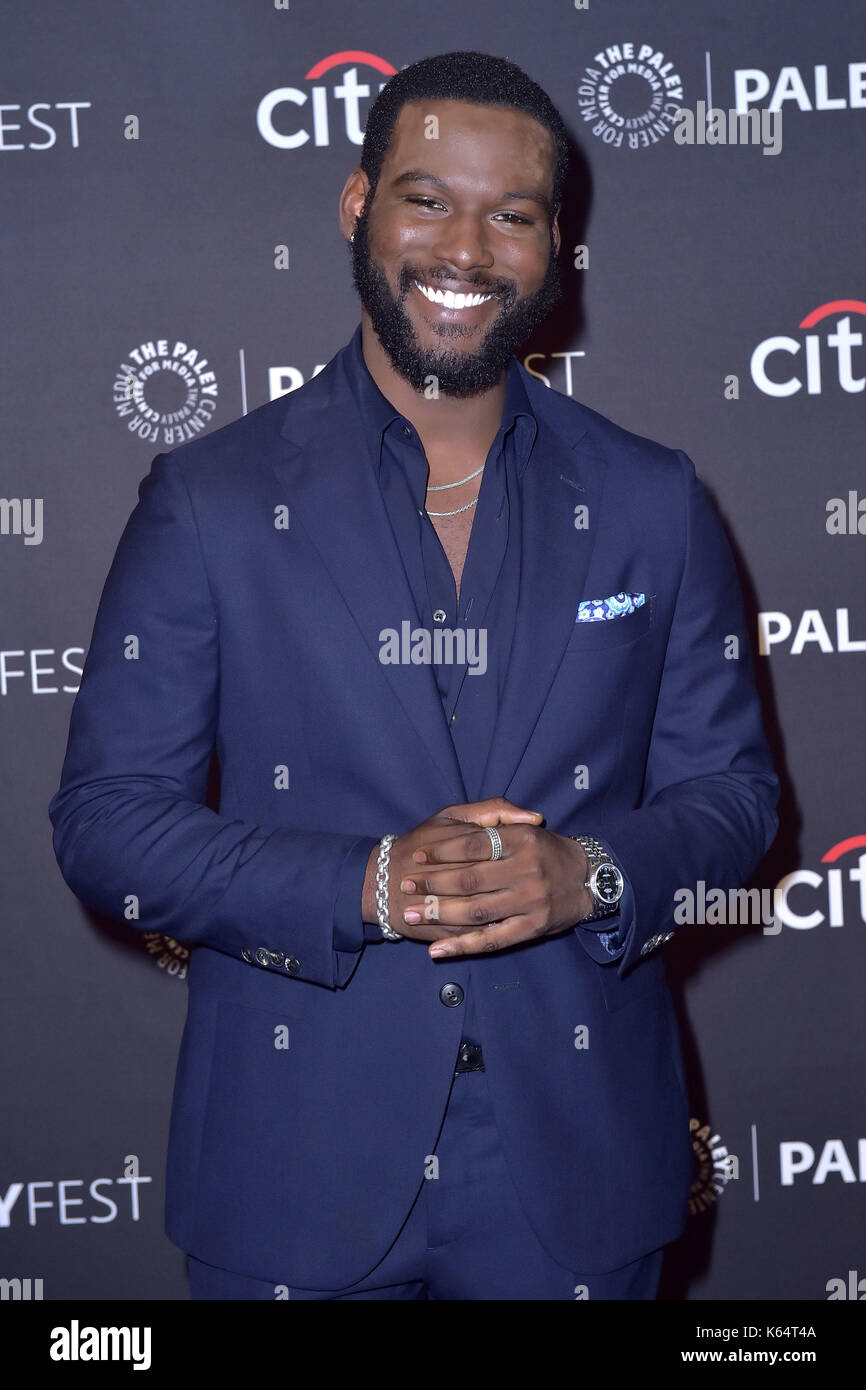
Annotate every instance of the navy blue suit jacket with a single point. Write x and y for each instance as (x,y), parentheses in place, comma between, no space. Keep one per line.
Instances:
(261,640)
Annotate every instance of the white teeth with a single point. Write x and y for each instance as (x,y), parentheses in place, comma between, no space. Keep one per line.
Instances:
(450,300)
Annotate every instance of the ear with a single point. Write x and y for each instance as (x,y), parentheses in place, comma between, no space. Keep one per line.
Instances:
(554,232)
(352,199)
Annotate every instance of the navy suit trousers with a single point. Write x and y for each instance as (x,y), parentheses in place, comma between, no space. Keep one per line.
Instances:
(465,1238)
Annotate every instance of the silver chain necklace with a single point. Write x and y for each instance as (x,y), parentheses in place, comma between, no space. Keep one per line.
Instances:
(441,487)
(456,510)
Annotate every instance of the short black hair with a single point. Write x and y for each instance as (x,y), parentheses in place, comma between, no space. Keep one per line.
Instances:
(479,78)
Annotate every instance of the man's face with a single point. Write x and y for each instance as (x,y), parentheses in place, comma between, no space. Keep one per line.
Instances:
(446,217)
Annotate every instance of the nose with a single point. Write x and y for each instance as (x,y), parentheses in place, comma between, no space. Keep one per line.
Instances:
(463,242)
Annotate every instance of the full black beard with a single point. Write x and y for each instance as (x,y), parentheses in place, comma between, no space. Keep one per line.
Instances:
(457,373)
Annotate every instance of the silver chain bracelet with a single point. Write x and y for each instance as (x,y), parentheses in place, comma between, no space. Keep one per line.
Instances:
(382,867)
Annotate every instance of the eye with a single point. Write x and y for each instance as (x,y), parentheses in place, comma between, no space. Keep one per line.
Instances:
(514,217)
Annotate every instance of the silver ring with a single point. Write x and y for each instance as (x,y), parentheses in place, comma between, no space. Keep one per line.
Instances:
(495,841)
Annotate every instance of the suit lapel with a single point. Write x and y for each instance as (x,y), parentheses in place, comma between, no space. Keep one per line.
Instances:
(332,491)
(555,557)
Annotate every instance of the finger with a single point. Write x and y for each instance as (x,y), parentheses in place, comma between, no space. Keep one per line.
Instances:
(510,931)
(496,810)
(461,914)
(463,882)
(473,846)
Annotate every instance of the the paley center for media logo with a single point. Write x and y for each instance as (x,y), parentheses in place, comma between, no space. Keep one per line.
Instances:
(165,391)
(629,95)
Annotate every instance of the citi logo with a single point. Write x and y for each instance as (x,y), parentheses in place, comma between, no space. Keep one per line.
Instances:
(823,358)
(820,897)
(272,122)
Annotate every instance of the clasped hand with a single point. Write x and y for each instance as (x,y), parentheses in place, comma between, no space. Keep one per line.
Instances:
(446,889)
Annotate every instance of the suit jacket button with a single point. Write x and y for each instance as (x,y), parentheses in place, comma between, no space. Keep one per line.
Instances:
(292,965)
(247,954)
(451,995)
(263,955)
(277,957)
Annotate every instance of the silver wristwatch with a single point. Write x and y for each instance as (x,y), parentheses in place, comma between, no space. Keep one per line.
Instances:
(604,880)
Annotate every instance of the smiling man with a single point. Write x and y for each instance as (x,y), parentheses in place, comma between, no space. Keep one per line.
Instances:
(430,1050)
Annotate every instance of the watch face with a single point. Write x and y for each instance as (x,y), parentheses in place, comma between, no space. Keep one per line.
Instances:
(608,883)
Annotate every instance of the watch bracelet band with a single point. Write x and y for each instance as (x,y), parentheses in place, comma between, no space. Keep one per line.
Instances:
(382,874)
(596,852)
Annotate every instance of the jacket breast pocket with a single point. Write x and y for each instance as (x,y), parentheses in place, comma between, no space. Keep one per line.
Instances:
(607,634)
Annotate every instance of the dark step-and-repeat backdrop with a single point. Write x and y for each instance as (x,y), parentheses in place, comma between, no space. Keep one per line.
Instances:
(170,175)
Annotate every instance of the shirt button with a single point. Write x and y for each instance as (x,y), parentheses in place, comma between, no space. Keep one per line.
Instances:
(451,995)
(454,719)
(440,615)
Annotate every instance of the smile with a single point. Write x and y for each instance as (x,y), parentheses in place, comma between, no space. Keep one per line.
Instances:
(449,300)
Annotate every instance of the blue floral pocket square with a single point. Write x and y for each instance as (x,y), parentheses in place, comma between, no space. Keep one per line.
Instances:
(593,610)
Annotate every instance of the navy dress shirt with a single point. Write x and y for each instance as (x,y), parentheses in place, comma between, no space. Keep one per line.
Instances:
(490,581)
(489,588)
